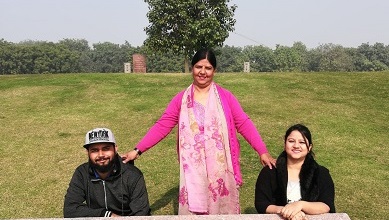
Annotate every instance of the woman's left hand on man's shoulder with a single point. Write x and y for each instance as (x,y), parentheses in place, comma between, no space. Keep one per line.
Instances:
(268,160)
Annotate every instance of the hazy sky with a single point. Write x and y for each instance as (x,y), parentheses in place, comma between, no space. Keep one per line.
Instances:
(258,22)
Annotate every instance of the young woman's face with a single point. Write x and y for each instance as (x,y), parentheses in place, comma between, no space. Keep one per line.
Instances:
(203,73)
(296,146)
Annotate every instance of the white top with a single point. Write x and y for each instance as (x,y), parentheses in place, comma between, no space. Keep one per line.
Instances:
(293,193)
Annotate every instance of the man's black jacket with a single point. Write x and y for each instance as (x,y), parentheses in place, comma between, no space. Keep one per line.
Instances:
(123,193)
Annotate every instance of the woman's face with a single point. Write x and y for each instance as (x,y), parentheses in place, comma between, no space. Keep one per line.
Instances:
(296,147)
(203,73)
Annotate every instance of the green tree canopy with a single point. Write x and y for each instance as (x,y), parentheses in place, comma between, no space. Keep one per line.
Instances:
(184,26)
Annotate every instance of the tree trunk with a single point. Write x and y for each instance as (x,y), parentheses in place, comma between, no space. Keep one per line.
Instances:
(186,64)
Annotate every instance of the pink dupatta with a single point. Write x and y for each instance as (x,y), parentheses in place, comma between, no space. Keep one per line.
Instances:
(207,184)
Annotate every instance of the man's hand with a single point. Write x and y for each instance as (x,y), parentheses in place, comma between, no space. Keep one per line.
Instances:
(114,215)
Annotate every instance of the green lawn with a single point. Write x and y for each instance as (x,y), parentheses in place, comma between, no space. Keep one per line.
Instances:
(44,118)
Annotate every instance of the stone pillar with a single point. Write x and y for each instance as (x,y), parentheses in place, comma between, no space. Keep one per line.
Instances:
(127,67)
(138,63)
(246,67)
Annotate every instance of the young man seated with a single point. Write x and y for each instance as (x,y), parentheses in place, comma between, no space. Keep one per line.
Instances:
(104,186)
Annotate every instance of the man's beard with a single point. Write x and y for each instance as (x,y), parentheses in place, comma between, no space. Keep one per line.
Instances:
(103,168)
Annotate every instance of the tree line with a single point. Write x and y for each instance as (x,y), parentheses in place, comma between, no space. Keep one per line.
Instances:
(76,56)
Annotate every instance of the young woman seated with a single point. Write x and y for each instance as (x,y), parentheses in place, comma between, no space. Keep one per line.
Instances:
(298,186)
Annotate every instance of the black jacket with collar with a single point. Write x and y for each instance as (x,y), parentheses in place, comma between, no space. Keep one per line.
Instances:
(123,193)
(316,184)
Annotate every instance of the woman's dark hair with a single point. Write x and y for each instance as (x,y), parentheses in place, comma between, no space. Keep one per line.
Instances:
(205,53)
(304,131)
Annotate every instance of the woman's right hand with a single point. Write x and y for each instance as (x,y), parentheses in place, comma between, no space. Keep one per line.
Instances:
(130,155)
(293,211)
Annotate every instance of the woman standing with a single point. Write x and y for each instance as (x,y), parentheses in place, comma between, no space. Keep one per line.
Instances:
(299,185)
(208,117)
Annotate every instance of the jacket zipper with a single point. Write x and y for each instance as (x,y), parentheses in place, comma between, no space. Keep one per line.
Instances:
(105,195)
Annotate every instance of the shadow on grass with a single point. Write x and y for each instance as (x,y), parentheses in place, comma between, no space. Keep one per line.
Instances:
(169,196)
